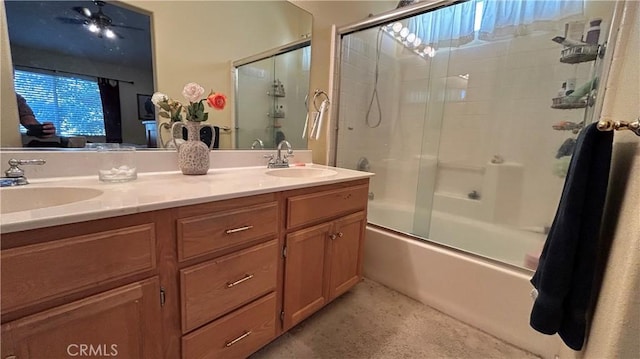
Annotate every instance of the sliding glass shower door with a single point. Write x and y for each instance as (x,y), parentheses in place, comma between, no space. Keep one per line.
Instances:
(468,118)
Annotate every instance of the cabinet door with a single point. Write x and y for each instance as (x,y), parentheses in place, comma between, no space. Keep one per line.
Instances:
(306,279)
(123,322)
(345,250)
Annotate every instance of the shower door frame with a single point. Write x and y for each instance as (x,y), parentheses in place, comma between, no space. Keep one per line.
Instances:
(376,20)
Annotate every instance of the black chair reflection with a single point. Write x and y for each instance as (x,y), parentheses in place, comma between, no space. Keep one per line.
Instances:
(206,135)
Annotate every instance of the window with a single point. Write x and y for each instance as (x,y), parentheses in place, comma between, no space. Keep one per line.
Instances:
(71,103)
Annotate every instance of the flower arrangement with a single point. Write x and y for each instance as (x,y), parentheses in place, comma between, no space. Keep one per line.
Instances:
(194,111)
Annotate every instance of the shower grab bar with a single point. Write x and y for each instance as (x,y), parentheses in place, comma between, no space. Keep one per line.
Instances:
(609,125)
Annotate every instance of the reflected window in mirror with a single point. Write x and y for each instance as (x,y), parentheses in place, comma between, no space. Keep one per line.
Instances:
(71,103)
(85,82)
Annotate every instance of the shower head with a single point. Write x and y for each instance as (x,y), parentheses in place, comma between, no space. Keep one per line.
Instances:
(403,3)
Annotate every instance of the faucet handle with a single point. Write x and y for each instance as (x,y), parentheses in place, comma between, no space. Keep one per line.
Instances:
(271,158)
(14,171)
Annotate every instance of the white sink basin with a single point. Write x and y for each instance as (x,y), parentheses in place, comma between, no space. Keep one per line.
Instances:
(16,199)
(301,172)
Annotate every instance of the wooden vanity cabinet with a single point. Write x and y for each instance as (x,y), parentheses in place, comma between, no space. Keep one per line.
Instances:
(213,280)
(323,247)
(123,322)
(230,258)
(90,288)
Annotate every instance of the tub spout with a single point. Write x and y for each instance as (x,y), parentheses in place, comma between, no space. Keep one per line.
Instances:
(473,195)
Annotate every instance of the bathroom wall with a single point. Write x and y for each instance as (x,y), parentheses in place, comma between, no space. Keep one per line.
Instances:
(616,319)
(9,135)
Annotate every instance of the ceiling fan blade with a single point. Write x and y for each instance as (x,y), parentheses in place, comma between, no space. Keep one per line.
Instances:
(82,11)
(71,21)
(122,26)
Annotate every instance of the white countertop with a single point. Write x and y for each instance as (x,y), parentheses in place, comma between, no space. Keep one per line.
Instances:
(160,190)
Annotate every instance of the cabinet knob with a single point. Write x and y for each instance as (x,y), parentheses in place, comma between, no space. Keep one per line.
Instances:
(333,236)
(11,357)
(340,234)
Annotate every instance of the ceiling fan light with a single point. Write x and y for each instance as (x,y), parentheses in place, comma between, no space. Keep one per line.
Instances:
(93,28)
(110,34)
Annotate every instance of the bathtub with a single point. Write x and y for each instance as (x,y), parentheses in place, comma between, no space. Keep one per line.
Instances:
(500,242)
(487,294)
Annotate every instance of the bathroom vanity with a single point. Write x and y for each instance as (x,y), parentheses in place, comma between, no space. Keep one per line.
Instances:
(217,268)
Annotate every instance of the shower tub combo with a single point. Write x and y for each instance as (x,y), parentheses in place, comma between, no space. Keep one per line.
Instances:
(459,132)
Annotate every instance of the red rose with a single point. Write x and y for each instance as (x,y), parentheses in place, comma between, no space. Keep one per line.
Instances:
(217,101)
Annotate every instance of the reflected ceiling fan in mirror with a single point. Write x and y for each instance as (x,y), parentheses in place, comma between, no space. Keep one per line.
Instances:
(96,22)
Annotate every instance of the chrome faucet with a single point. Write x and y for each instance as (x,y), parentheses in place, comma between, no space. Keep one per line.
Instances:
(15,175)
(257,142)
(280,161)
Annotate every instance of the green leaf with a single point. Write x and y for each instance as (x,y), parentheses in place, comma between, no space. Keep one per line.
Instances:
(205,117)
(164,114)
(165,106)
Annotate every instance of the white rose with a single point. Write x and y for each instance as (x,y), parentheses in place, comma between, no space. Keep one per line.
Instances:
(192,92)
(158,97)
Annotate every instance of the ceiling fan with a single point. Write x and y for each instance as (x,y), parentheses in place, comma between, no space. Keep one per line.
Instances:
(96,21)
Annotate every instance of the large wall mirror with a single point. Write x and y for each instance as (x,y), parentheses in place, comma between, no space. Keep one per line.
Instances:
(152,46)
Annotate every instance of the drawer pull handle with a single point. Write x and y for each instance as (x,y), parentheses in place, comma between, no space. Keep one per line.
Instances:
(236,230)
(246,278)
(246,334)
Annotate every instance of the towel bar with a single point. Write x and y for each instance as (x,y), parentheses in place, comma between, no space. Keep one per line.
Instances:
(610,125)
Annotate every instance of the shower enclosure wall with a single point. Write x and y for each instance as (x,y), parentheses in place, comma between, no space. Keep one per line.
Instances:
(270,97)
(467,149)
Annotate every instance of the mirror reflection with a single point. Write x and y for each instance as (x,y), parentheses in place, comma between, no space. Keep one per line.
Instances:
(271,98)
(136,48)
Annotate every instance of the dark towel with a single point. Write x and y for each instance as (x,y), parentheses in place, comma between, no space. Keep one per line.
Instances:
(566,270)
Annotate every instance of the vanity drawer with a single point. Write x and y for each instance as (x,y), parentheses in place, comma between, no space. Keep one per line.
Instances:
(236,335)
(33,273)
(314,207)
(214,288)
(213,232)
